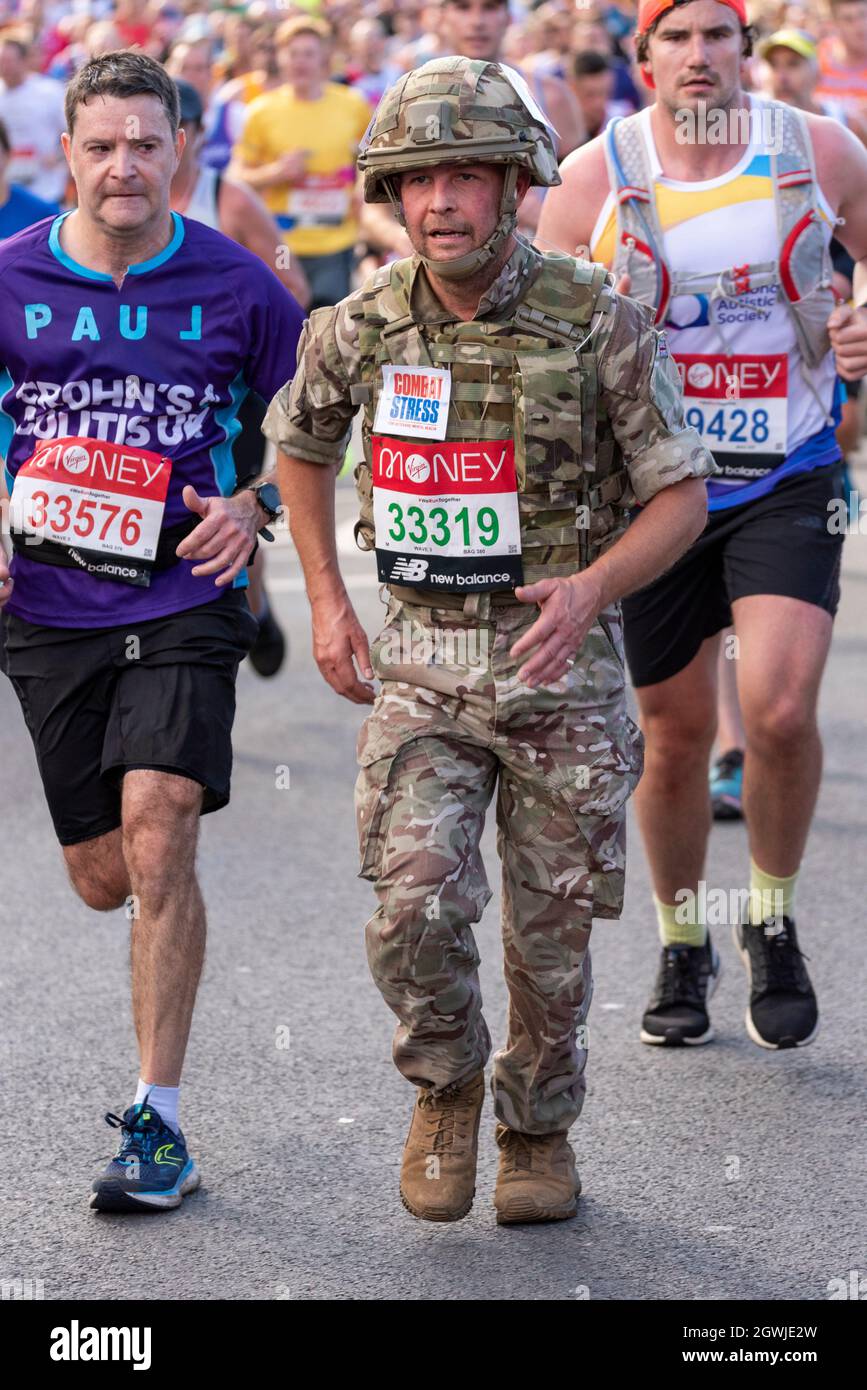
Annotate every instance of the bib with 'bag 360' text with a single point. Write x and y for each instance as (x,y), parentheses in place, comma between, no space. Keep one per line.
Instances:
(446,514)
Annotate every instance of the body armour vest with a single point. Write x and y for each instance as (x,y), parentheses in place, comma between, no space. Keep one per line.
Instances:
(530,377)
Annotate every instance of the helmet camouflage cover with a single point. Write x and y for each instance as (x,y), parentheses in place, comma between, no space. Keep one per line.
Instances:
(455,110)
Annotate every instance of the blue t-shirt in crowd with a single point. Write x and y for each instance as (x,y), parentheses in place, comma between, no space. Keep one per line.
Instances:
(23,209)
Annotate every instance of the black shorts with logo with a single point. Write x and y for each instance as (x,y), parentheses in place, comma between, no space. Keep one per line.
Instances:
(101,701)
(777,544)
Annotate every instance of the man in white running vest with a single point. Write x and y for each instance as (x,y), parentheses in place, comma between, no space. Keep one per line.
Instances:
(718,207)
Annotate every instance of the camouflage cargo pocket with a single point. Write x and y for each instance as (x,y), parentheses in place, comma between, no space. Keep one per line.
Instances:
(373,805)
(596,793)
(378,746)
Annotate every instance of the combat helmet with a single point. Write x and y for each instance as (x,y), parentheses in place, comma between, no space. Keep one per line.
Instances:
(456,110)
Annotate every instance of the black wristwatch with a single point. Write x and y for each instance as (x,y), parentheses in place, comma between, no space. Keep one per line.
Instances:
(268,497)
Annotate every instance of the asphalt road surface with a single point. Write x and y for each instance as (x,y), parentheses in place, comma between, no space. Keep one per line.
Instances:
(724,1172)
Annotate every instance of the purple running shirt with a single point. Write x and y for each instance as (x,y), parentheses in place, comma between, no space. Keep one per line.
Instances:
(163,364)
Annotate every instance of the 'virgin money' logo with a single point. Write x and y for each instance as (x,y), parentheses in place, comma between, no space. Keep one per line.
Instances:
(417,468)
(75,459)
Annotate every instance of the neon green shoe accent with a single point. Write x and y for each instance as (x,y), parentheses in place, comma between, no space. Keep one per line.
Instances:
(162,1156)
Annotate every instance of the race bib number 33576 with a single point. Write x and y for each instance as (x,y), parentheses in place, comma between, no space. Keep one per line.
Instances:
(446,514)
(102,503)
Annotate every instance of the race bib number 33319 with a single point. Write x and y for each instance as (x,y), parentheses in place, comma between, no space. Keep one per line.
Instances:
(446,514)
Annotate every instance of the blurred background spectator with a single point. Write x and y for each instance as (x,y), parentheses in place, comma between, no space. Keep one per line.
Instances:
(287,88)
(19,207)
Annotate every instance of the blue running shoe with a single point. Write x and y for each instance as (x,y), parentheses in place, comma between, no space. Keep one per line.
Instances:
(151,1170)
(726,785)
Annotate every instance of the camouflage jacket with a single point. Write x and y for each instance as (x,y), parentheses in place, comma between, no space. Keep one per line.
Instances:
(604,406)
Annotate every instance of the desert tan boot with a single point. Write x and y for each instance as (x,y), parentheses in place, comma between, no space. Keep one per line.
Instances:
(537,1179)
(438,1173)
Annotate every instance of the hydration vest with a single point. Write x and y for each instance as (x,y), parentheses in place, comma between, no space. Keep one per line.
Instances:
(802,270)
(531,377)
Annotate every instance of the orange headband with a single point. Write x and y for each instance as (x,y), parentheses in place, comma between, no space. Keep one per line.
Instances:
(650,10)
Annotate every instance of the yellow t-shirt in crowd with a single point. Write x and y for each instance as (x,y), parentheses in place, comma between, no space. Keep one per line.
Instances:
(315,213)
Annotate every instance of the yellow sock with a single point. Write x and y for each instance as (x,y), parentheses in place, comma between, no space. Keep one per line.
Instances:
(769,896)
(673,931)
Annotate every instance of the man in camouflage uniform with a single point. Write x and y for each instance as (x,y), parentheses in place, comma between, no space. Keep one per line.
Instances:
(479,360)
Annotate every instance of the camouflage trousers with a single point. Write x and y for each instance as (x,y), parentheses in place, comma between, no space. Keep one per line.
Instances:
(451,724)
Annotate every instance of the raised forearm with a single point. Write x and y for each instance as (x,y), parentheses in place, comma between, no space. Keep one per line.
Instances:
(665,527)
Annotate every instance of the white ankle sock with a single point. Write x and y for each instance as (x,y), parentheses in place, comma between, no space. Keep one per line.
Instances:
(164,1100)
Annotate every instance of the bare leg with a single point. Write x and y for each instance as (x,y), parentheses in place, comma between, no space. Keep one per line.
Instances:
(98,872)
(731,729)
(784,645)
(678,718)
(160,833)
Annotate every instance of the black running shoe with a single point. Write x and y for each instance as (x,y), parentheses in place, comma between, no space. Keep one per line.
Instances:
(677,1012)
(268,652)
(726,786)
(782,1011)
(151,1170)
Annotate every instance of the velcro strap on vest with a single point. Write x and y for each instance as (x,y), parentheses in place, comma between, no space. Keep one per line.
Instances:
(546,324)
(610,490)
(397,325)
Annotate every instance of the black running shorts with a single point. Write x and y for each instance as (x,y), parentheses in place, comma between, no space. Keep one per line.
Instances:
(101,701)
(778,544)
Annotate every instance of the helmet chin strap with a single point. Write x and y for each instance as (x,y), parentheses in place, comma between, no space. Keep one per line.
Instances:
(462,267)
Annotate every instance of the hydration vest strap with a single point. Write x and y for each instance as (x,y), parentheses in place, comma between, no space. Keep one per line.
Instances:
(802,269)
(638,226)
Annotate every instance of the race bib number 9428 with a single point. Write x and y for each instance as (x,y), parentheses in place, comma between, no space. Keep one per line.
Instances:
(737,404)
(446,515)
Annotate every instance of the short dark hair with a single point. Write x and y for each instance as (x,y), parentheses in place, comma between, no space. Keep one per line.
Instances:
(126,73)
(5,142)
(748,33)
(590,64)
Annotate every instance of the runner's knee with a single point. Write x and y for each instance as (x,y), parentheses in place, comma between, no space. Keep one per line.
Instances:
(780,725)
(681,733)
(93,878)
(160,826)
